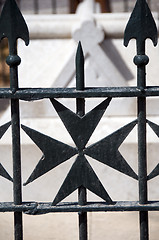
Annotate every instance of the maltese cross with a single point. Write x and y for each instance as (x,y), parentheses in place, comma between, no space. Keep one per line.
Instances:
(81,172)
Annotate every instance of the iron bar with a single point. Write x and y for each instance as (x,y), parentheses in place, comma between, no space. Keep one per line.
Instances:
(142,169)
(142,149)
(33,94)
(13,61)
(80,105)
(15,120)
(37,208)
(13,28)
(142,158)
(141,26)
(141,60)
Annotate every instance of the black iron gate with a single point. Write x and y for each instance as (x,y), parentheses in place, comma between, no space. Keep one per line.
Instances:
(80,127)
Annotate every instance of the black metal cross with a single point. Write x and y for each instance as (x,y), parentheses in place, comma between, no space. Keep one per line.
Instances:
(80,126)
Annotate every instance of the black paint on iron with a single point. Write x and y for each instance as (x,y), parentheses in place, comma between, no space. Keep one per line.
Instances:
(141,26)
(13,26)
(80,126)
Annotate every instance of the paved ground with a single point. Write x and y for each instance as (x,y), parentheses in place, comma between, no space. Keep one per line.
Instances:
(102,226)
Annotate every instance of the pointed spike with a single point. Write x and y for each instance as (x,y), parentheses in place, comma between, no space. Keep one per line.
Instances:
(141,25)
(54,153)
(12,24)
(81,174)
(154,127)
(78,126)
(4,173)
(35,174)
(4,128)
(106,151)
(79,68)
(154,173)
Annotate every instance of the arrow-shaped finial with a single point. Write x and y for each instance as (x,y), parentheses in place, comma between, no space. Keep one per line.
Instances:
(12,25)
(141,25)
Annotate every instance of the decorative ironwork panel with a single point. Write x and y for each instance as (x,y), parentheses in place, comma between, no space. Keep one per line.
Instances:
(80,127)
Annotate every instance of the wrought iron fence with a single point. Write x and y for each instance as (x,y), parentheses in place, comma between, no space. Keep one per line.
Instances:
(80,126)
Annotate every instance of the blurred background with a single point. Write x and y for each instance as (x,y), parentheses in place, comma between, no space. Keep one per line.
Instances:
(69,6)
(61,7)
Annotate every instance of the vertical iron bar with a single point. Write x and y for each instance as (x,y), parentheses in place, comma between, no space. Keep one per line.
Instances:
(16,168)
(80,104)
(141,60)
(141,26)
(144,233)
(13,60)
(13,26)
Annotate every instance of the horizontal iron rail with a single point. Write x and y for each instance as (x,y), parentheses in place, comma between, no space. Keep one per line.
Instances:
(36,208)
(32,94)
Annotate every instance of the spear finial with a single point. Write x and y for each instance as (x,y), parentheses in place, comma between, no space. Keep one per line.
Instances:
(141,25)
(79,68)
(12,25)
